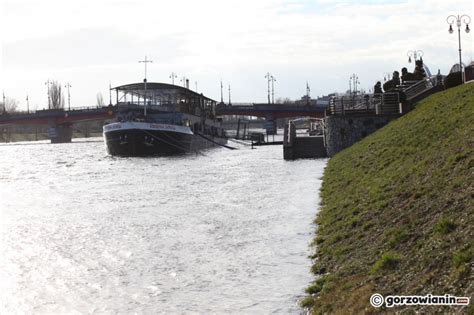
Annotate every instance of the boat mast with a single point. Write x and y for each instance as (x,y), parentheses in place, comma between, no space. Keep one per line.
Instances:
(144,80)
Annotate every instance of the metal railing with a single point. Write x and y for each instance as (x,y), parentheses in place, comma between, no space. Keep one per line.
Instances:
(418,87)
(386,103)
(59,110)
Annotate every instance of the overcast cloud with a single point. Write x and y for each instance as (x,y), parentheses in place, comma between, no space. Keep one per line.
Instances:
(90,43)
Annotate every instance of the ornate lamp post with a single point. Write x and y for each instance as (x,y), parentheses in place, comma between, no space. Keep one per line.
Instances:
(414,54)
(459,19)
(269,77)
(353,81)
(172,77)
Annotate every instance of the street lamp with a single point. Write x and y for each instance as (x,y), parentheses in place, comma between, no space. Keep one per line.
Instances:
(269,77)
(273,89)
(172,77)
(353,81)
(183,79)
(459,19)
(68,85)
(222,93)
(414,54)
(48,84)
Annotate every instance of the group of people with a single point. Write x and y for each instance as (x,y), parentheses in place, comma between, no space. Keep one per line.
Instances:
(418,74)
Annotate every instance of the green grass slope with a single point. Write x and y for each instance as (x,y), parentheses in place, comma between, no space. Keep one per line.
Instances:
(397,213)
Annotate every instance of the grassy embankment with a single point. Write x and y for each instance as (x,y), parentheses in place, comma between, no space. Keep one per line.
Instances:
(397,213)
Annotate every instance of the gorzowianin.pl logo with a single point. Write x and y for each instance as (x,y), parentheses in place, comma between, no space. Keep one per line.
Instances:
(377,300)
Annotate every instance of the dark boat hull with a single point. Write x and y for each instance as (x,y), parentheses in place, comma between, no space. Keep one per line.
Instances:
(143,142)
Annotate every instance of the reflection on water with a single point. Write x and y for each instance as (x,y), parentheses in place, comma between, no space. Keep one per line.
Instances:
(227,231)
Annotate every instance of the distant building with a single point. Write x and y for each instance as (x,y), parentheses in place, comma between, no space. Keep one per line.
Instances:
(322,101)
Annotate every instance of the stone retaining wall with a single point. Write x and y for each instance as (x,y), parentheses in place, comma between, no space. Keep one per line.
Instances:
(341,132)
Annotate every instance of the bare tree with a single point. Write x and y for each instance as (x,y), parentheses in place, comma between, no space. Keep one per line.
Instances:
(100,99)
(285,100)
(56,95)
(10,106)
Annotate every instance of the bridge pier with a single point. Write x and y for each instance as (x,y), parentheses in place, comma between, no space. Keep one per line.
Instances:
(60,133)
(270,126)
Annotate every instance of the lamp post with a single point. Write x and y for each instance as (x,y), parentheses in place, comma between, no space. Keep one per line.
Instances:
(353,81)
(414,54)
(68,85)
(273,89)
(387,76)
(268,76)
(48,83)
(183,79)
(172,77)
(459,19)
(222,93)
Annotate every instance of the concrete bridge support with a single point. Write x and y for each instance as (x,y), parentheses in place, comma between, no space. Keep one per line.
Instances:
(60,133)
(270,125)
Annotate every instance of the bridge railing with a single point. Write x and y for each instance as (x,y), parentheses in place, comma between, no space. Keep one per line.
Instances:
(49,111)
(368,104)
(417,88)
(257,106)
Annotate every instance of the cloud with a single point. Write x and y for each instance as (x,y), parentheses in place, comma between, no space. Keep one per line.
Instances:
(91,42)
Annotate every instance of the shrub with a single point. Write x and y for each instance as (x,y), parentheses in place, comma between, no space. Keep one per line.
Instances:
(461,257)
(307,302)
(444,226)
(398,236)
(388,261)
(317,286)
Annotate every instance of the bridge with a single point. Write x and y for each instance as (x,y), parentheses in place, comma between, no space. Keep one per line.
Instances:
(271,111)
(59,120)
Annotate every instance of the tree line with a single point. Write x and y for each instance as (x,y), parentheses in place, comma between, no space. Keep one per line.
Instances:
(56,96)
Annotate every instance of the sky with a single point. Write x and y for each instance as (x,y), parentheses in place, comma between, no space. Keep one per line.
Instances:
(93,43)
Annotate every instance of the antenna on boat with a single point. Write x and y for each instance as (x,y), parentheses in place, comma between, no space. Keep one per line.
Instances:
(144,80)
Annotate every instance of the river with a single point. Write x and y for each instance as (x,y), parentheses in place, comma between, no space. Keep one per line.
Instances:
(226,231)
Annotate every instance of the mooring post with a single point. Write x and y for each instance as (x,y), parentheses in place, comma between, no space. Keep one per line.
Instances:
(60,133)
(238,129)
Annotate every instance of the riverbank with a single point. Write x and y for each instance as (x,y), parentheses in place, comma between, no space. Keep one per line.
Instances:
(19,137)
(397,211)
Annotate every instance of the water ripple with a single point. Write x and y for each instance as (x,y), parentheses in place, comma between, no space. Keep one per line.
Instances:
(224,232)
